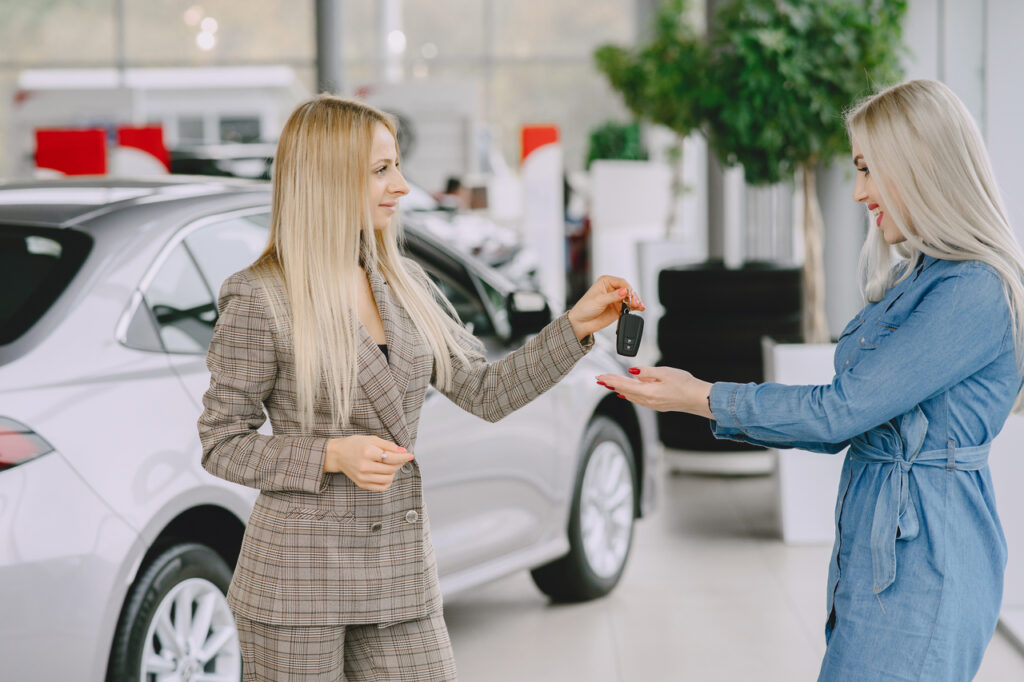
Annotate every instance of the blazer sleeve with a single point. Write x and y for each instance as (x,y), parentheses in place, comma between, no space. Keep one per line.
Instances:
(243,368)
(960,326)
(493,390)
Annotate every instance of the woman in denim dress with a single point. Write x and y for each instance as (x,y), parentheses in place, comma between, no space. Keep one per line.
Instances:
(926,375)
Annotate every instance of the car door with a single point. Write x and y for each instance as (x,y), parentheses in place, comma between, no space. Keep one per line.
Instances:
(182,291)
(487,486)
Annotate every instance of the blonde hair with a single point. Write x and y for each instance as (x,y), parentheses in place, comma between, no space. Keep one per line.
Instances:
(321,230)
(930,165)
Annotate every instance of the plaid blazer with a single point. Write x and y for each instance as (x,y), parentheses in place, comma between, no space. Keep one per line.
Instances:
(318,550)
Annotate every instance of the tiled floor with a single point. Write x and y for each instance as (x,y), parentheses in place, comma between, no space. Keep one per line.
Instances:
(710,595)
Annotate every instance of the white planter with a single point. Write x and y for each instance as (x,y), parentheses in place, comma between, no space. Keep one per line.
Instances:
(807,481)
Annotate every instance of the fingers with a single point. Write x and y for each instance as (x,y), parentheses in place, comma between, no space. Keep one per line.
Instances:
(626,387)
(388,447)
(616,289)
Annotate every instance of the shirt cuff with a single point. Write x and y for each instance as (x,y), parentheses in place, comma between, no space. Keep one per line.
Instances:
(723,408)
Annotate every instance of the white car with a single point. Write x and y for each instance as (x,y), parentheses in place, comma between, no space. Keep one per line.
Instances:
(116,547)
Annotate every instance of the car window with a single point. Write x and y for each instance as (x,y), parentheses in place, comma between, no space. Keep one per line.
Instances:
(182,304)
(467,303)
(227,246)
(36,266)
(498,307)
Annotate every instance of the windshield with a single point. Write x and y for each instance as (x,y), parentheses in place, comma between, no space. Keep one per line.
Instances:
(36,265)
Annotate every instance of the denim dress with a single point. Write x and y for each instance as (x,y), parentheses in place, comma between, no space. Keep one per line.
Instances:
(924,380)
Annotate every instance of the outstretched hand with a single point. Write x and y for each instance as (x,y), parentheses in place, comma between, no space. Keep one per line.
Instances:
(601,305)
(665,389)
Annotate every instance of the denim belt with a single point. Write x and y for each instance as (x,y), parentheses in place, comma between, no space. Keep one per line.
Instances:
(893,514)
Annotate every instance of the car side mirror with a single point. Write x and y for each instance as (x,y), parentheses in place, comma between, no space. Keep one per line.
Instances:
(528,312)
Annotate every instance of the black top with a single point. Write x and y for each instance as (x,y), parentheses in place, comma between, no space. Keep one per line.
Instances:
(384,349)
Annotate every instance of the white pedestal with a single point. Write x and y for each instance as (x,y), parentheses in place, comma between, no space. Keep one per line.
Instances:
(807,481)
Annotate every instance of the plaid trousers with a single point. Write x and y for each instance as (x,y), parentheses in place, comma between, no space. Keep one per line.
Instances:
(411,651)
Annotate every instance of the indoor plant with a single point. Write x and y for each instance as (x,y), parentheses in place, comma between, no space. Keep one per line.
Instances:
(781,74)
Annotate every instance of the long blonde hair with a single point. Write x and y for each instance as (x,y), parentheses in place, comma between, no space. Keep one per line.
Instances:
(930,165)
(321,229)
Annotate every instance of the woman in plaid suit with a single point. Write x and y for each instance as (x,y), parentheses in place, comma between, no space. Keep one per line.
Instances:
(338,336)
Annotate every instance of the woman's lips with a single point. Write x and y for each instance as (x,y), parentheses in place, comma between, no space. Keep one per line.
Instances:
(878,217)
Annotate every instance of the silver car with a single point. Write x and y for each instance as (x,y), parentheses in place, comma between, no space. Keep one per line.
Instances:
(116,547)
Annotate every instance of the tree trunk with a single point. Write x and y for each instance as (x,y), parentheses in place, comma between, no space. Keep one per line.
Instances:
(815,326)
(675,190)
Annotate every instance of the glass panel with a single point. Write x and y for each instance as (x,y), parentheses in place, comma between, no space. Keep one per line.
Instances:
(442,30)
(58,32)
(177,31)
(536,93)
(222,249)
(182,305)
(359,26)
(530,28)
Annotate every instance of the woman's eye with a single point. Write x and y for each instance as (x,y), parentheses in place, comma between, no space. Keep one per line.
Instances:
(380,171)
(863,169)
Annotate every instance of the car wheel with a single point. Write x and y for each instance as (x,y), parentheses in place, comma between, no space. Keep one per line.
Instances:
(600,521)
(176,624)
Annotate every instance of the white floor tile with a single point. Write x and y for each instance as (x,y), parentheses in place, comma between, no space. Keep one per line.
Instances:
(710,595)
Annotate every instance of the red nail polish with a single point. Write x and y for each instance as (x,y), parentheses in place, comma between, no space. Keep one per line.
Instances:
(602,383)
(620,395)
(634,370)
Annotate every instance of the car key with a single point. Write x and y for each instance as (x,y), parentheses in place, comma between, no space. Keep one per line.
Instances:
(628,332)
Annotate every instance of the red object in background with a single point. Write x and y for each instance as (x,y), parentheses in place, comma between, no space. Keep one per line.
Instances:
(534,136)
(72,152)
(149,139)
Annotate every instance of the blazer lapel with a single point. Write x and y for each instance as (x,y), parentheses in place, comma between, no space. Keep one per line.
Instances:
(385,385)
(397,330)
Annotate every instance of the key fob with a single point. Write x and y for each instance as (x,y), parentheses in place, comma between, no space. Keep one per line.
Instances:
(628,332)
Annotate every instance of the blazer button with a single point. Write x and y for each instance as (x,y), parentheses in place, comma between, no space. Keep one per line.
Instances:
(375,528)
(862,339)
(407,467)
(412,516)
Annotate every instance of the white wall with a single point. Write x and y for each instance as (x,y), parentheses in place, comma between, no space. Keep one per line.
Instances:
(974,47)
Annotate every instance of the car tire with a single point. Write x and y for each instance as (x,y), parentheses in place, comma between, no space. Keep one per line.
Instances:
(180,592)
(600,520)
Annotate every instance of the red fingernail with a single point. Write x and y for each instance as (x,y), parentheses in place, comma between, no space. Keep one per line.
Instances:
(620,395)
(634,370)
(602,383)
